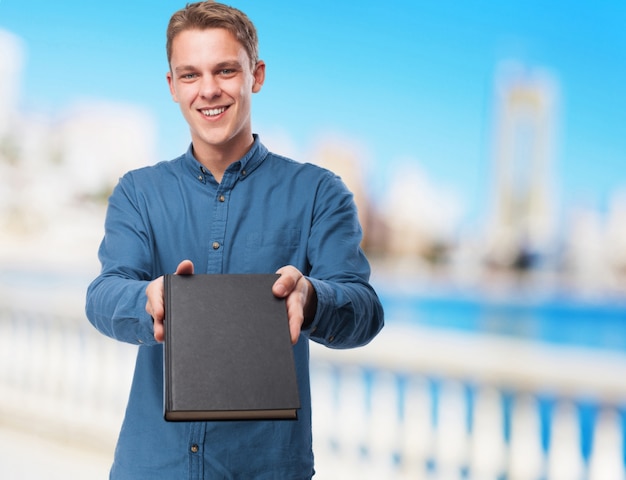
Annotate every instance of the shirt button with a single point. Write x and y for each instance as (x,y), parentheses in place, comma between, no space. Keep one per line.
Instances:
(222,198)
(243,172)
(216,245)
(200,177)
(194,448)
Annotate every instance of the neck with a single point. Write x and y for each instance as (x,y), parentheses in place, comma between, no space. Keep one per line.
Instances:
(218,158)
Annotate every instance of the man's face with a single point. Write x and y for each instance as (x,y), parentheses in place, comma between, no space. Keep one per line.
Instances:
(211,79)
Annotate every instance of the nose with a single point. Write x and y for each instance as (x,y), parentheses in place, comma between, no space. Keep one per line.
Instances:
(210,87)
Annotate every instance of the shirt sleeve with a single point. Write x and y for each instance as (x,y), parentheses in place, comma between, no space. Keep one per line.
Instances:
(116,299)
(349,313)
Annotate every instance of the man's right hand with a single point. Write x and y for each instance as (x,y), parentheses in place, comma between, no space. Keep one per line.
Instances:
(155,303)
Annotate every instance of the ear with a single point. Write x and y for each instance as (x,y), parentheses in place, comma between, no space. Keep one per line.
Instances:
(170,83)
(259,76)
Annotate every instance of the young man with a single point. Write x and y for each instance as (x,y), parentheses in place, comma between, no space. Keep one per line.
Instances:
(227,205)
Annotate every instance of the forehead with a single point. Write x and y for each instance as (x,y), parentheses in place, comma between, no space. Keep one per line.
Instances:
(210,45)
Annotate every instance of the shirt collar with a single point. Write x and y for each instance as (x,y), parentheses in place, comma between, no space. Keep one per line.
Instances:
(244,166)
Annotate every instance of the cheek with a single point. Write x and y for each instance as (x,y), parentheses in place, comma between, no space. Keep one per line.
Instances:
(183,93)
(245,94)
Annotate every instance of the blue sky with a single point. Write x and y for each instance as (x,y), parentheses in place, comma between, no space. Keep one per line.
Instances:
(406,79)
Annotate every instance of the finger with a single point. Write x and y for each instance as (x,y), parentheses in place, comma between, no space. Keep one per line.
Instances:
(155,308)
(154,298)
(159,331)
(185,268)
(295,317)
(156,311)
(286,283)
(295,327)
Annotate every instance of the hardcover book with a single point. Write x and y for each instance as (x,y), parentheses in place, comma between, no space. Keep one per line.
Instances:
(228,352)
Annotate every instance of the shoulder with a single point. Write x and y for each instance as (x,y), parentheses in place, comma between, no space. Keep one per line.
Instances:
(149,181)
(160,167)
(293,167)
(163,168)
(306,181)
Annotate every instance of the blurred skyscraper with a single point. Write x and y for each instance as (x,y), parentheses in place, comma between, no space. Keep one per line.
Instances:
(522,211)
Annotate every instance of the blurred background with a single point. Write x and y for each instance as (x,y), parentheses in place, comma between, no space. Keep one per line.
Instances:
(485,143)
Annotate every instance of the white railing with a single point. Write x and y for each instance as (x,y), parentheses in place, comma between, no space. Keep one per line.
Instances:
(420,403)
(58,375)
(415,403)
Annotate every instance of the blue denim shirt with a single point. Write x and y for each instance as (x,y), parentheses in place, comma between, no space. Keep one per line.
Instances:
(267,212)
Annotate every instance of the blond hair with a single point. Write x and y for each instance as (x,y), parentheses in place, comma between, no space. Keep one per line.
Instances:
(209,14)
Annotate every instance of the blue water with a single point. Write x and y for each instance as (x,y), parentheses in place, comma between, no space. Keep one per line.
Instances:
(557,320)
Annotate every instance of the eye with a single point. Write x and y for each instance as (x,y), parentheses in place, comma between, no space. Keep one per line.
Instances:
(188,76)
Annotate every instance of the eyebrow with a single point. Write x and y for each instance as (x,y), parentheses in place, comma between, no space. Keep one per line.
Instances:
(184,68)
(228,64)
(219,66)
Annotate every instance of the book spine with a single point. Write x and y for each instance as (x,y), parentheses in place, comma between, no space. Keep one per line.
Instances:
(167,398)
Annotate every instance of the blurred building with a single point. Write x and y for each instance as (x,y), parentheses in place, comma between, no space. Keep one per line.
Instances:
(593,253)
(421,217)
(616,233)
(414,219)
(350,161)
(12,54)
(522,208)
(57,171)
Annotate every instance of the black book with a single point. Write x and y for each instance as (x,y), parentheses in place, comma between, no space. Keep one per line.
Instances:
(228,352)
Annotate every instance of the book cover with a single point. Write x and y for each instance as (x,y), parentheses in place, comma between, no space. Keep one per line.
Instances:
(228,352)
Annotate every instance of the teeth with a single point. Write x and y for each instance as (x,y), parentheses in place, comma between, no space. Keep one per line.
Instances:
(211,112)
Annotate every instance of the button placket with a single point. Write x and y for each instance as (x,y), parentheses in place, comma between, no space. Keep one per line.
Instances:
(195,449)
(218,225)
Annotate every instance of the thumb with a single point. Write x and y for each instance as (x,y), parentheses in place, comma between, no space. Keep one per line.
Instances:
(184,268)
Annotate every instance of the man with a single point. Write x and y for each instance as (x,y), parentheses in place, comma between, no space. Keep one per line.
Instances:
(226,206)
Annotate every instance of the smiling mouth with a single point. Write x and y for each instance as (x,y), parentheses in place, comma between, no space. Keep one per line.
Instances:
(213,112)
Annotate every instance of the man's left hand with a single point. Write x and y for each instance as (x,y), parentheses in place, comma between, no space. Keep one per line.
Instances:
(300,298)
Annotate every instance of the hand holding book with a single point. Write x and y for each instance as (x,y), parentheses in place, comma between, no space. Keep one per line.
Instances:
(300,296)
(155,304)
(301,299)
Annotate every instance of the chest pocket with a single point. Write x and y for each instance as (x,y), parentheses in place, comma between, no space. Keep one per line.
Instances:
(269,250)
